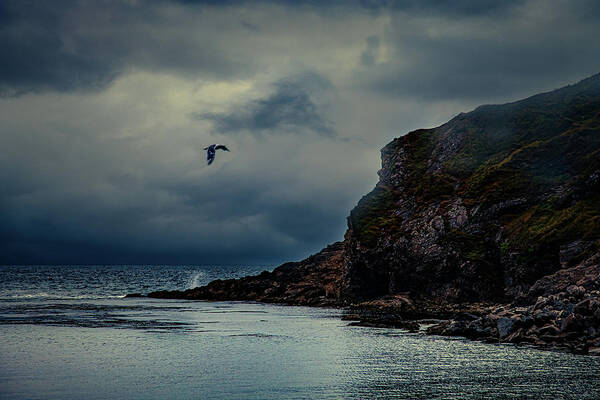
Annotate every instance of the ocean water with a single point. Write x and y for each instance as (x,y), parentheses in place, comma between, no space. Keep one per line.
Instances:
(67,333)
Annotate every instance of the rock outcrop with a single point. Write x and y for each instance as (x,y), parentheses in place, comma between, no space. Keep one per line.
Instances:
(483,206)
(315,281)
(566,314)
(490,222)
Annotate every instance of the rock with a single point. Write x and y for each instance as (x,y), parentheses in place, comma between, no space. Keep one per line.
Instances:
(134,295)
(541,303)
(594,304)
(594,351)
(550,338)
(570,337)
(350,317)
(571,323)
(437,329)
(315,281)
(583,307)
(480,328)
(455,328)
(465,316)
(530,339)
(579,349)
(412,326)
(505,326)
(515,337)
(576,291)
(526,321)
(457,215)
(560,303)
(571,250)
(549,329)
(584,275)
(542,317)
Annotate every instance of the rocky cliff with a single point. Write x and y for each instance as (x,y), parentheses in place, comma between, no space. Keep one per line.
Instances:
(494,215)
(491,221)
(483,206)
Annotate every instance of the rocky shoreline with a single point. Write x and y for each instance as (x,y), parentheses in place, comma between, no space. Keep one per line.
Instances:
(559,318)
(556,322)
(563,318)
(553,323)
(314,281)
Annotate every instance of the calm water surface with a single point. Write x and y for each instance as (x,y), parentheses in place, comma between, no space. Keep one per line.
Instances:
(67,333)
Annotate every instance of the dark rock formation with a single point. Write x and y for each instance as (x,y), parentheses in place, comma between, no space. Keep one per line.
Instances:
(565,315)
(483,206)
(314,282)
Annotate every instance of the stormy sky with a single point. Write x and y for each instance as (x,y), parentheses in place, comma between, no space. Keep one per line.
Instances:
(106,106)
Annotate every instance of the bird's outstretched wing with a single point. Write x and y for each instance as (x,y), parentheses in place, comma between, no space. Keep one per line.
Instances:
(221,147)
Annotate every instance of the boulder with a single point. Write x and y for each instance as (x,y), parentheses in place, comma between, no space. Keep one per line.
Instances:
(505,326)
(571,323)
(548,329)
(576,291)
(594,351)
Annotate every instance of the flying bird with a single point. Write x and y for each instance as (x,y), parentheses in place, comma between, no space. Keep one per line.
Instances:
(212,150)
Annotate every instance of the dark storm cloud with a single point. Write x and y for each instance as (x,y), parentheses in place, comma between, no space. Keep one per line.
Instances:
(76,45)
(289,223)
(290,108)
(238,223)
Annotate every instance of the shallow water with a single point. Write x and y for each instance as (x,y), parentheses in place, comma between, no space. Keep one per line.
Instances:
(81,340)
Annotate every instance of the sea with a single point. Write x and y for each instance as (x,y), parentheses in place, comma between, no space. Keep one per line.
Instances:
(67,332)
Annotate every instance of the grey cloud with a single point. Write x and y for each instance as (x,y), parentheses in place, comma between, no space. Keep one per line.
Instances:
(289,109)
(456,7)
(79,45)
(75,45)
(367,58)
(520,54)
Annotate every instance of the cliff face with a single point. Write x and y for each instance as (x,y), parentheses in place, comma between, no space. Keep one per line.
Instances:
(483,206)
